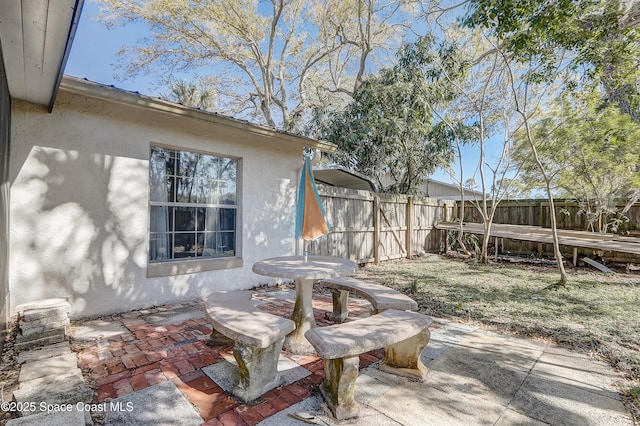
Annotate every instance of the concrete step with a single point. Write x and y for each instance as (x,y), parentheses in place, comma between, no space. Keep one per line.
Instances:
(35,327)
(51,303)
(49,391)
(46,352)
(49,337)
(54,366)
(53,314)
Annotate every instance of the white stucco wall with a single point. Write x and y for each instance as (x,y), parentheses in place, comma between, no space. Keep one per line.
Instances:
(79,203)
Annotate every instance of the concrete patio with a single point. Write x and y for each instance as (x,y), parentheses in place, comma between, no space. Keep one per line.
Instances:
(153,367)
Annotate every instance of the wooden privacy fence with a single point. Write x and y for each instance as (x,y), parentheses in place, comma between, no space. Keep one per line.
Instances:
(368,227)
(536,213)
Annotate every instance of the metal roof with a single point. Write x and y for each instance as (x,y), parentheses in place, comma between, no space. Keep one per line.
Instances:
(101,91)
(343,178)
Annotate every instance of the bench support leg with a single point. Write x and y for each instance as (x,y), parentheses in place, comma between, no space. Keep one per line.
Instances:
(257,370)
(338,387)
(403,358)
(340,308)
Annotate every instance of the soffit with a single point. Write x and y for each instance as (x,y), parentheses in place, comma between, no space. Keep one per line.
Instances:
(36,37)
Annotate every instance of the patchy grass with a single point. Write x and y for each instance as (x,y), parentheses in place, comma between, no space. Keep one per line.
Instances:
(595,313)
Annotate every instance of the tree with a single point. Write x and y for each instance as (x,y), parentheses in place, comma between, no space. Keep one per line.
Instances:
(457,134)
(481,108)
(516,189)
(593,153)
(386,131)
(274,59)
(526,108)
(599,38)
(190,94)
(549,38)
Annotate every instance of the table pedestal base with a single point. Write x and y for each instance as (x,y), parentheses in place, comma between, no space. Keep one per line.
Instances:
(305,270)
(302,315)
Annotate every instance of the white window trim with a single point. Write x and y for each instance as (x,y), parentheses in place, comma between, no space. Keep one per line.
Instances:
(191,266)
(195,265)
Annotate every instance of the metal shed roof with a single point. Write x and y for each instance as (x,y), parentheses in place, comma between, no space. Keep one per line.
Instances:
(343,178)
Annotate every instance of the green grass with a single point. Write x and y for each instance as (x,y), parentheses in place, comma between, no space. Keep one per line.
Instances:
(595,313)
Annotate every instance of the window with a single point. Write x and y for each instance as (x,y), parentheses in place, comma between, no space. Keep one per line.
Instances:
(193,205)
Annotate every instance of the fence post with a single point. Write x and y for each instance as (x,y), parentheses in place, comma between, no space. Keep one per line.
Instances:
(376,229)
(540,215)
(409,223)
(444,233)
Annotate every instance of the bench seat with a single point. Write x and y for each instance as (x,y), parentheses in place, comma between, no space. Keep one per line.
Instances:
(403,335)
(233,315)
(258,338)
(380,296)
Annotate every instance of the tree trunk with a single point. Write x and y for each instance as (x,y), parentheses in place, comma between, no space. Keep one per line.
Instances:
(485,240)
(461,230)
(554,232)
(547,181)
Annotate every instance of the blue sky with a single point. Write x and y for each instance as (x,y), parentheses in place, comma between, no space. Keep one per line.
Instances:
(94,57)
(94,52)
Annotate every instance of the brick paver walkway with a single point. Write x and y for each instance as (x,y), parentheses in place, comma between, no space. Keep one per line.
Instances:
(147,355)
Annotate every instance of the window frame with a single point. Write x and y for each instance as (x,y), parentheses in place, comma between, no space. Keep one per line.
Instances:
(189,265)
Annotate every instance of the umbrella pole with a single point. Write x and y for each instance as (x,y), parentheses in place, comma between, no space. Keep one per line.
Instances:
(305,249)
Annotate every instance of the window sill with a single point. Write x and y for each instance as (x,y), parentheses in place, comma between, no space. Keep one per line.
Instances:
(180,267)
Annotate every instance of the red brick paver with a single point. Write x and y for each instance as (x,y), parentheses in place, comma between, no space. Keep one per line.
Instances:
(149,355)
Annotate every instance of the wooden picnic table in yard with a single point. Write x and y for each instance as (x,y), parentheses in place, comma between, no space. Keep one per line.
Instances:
(575,239)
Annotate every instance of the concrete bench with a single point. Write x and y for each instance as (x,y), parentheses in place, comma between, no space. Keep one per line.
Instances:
(380,297)
(403,335)
(258,338)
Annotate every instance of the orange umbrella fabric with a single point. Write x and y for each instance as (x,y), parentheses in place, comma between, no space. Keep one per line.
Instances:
(310,215)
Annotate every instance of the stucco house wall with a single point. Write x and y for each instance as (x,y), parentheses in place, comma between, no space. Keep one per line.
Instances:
(80,202)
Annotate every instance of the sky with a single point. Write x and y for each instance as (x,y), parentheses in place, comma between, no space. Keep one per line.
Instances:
(94,56)
(94,52)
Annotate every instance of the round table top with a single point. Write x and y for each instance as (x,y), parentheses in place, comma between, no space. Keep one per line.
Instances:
(295,267)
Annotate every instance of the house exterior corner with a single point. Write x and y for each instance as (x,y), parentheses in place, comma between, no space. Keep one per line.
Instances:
(82,205)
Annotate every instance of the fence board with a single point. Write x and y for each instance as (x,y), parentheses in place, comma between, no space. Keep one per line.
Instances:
(536,213)
(351,216)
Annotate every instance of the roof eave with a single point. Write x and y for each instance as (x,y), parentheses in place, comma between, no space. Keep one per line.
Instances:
(109,93)
(67,50)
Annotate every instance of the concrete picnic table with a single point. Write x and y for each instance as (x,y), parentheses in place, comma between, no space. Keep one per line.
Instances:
(304,272)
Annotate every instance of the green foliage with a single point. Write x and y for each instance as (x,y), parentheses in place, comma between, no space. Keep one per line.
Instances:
(387,130)
(413,287)
(457,131)
(190,94)
(470,241)
(592,36)
(512,189)
(592,152)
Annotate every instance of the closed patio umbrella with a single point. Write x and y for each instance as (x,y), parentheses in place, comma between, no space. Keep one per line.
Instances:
(310,215)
